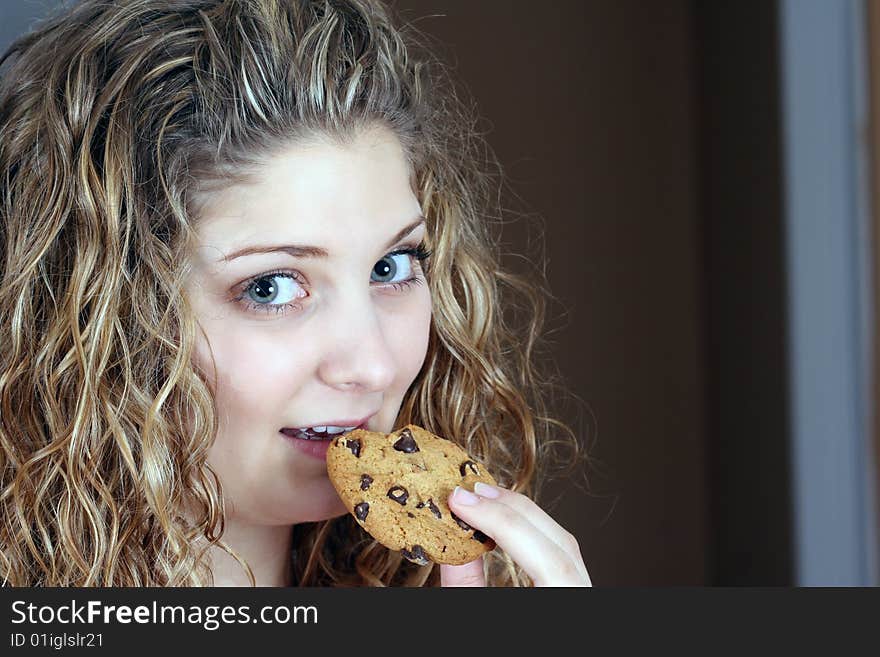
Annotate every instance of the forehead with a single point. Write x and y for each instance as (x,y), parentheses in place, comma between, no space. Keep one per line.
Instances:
(319,192)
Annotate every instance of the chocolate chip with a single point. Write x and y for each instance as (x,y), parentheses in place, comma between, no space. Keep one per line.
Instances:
(466,465)
(410,514)
(399,494)
(434,508)
(461,523)
(361,510)
(416,555)
(480,536)
(354,446)
(406,443)
(366,480)
(420,505)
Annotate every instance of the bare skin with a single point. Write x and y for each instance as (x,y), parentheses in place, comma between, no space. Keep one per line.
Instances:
(548,553)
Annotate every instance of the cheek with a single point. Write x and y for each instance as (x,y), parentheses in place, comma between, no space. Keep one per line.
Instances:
(254,374)
(411,336)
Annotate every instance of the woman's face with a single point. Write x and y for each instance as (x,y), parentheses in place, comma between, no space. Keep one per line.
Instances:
(311,317)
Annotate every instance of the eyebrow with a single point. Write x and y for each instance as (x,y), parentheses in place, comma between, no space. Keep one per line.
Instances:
(306,251)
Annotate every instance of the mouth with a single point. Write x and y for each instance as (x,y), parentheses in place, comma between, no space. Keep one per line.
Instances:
(325,431)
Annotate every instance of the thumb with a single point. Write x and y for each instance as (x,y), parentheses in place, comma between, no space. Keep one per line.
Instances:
(469,574)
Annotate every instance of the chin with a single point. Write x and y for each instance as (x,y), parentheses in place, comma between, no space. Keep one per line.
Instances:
(323,512)
(321,504)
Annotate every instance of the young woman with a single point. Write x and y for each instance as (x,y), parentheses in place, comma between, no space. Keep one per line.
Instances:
(230,228)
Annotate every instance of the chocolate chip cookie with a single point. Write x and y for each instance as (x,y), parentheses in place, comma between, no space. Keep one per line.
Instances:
(396,486)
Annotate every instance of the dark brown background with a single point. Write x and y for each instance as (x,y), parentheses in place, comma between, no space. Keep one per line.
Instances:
(645,134)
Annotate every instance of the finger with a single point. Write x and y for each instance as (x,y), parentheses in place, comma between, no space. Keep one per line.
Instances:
(537,516)
(544,561)
(469,574)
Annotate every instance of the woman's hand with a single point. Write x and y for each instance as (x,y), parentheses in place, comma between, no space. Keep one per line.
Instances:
(549,554)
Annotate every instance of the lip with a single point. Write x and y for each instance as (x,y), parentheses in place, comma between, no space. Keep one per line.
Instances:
(317,449)
(358,424)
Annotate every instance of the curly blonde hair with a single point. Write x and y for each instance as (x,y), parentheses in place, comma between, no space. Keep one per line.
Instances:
(112,117)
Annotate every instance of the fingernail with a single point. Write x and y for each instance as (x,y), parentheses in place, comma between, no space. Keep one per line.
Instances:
(465,497)
(485,490)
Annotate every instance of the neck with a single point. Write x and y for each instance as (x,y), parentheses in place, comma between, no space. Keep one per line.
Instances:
(266,549)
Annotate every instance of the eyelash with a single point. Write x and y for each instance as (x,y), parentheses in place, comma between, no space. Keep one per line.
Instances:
(420,253)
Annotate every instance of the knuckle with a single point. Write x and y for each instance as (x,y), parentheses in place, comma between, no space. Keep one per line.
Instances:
(508,516)
(571,542)
(566,571)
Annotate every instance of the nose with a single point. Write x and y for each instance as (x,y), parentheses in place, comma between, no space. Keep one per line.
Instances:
(357,355)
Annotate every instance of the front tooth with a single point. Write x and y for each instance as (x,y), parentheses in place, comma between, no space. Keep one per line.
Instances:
(319,429)
(332,429)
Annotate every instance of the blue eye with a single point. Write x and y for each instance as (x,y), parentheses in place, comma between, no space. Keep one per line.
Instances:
(267,289)
(391,266)
(276,291)
(281,291)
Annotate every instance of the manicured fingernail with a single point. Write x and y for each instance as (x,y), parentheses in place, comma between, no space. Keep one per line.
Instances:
(485,490)
(465,497)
